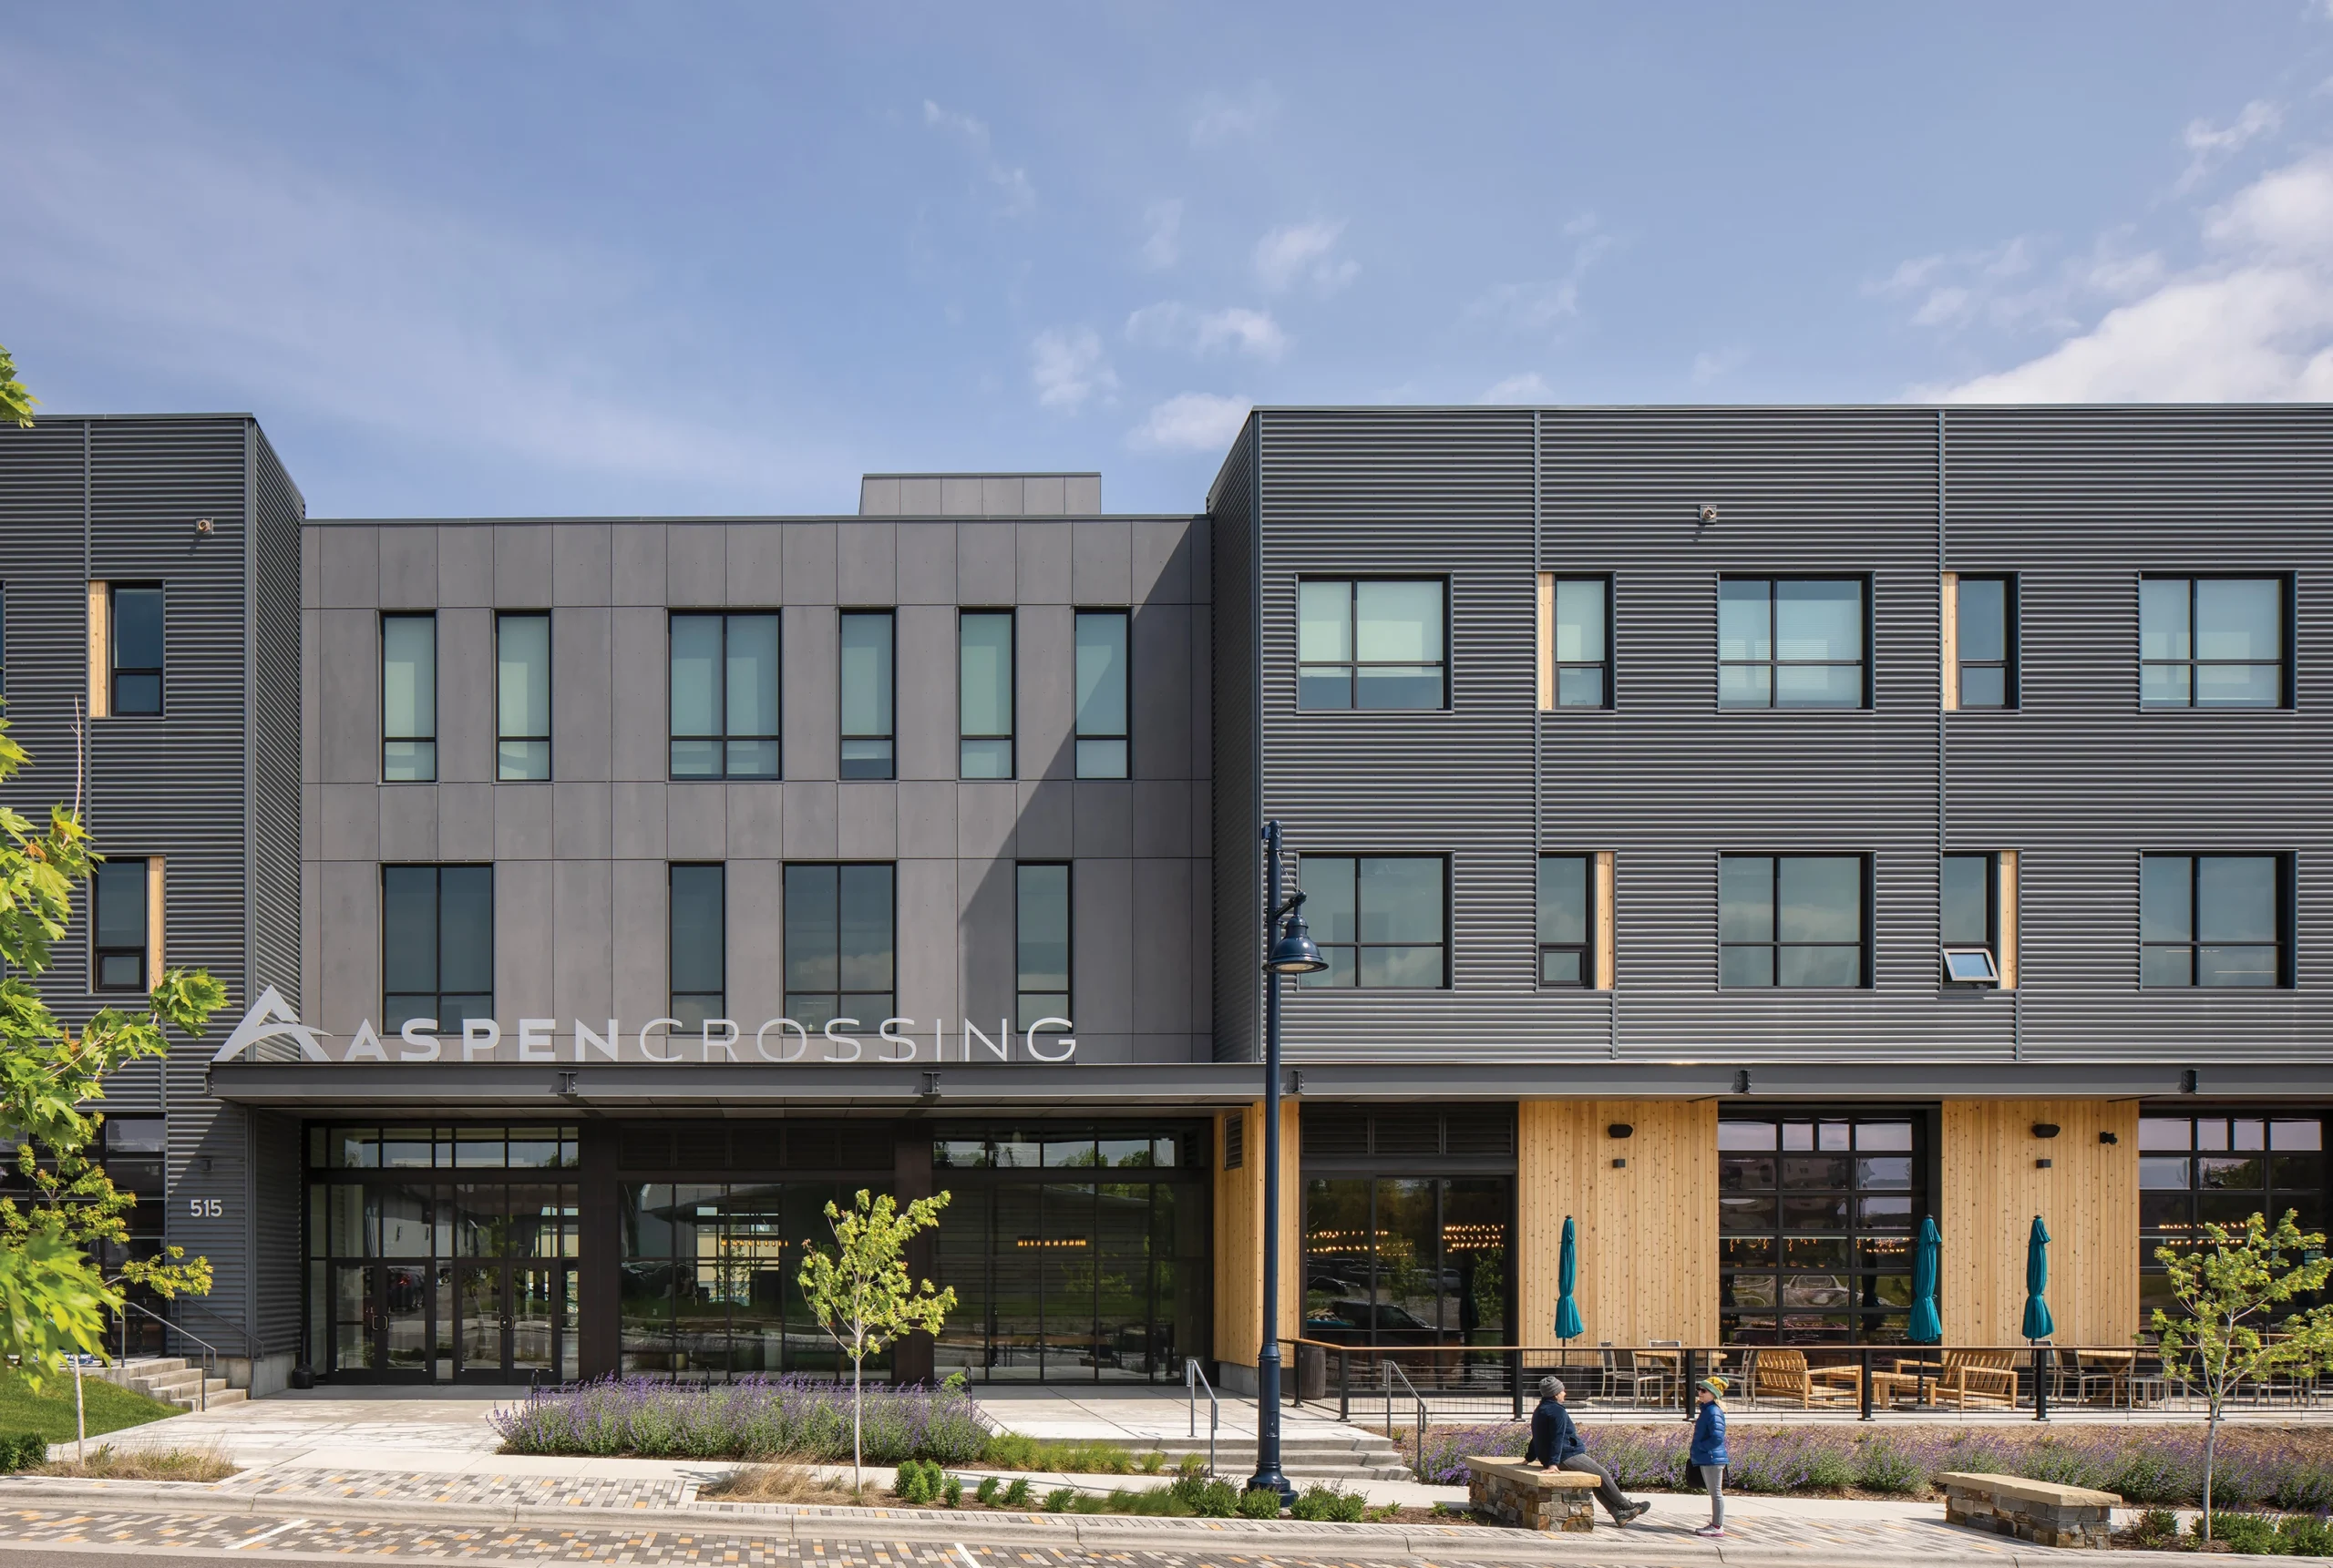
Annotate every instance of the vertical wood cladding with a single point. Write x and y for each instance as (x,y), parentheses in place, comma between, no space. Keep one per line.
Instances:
(1240,1234)
(1647,1232)
(2088,1198)
(2076,502)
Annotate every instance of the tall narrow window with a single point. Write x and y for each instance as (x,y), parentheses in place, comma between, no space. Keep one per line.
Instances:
(117,922)
(1791,920)
(866,694)
(1379,918)
(725,696)
(1567,920)
(1984,618)
(1969,893)
(1041,921)
(136,655)
(1102,693)
(2211,642)
(409,697)
(1575,650)
(522,696)
(984,694)
(2212,920)
(698,944)
(1369,644)
(840,960)
(437,945)
(1785,643)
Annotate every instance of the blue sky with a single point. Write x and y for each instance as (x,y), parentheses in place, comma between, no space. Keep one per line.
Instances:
(470,260)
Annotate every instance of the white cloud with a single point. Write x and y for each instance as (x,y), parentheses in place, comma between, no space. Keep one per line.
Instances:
(1542,307)
(1528,387)
(1161,239)
(2254,321)
(1718,363)
(2209,145)
(1171,323)
(1221,120)
(1191,422)
(1015,193)
(1956,288)
(1305,251)
(1069,370)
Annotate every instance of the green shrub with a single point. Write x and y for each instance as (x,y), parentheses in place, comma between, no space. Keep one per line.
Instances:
(1017,1494)
(1058,1499)
(1828,1469)
(921,1480)
(2303,1536)
(1884,1466)
(2250,1535)
(1015,1450)
(1260,1503)
(1330,1503)
(1208,1498)
(987,1489)
(951,1492)
(1151,1464)
(22,1451)
(2156,1527)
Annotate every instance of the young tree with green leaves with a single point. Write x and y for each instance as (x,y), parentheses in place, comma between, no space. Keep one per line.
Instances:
(55,1297)
(16,403)
(861,1294)
(2228,1289)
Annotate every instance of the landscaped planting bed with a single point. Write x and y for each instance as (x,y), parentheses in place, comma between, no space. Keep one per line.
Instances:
(754,1418)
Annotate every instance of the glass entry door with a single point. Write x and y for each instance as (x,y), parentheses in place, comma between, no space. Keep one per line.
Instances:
(516,1322)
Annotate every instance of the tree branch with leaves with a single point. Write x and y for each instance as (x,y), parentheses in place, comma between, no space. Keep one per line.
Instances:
(2228,1287)
(861,1294)
(16,403)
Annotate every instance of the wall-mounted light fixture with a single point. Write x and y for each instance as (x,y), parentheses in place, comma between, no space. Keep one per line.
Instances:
(2108,1138)
(205,526)
(2045,1129)
(1621,1129)
(1619,1164)
(2187,1081)
(2040,1165)
(1742,1081)
(1707,513)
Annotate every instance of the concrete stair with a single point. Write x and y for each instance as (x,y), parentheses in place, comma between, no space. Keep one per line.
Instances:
(173,1381)
(1303,1456)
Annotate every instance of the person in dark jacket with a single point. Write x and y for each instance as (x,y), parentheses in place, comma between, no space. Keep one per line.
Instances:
(1555,1445)
(1708,1455)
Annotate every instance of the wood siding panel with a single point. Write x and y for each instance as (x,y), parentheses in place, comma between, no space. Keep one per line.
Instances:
(1647,1231)
(1239,1237)
(2089,1199)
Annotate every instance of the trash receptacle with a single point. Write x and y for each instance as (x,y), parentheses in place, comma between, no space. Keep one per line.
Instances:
(1311,1372)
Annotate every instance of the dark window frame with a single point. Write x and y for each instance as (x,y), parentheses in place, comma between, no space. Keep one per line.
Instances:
(98,952)
(1991,859)
(1558,664)
(1314,982)
(438,895)
(2287,608)
(551,697)
(1354,664)
(430,739)
(1587,950)
(724,736)
(2007,663)
(1078,733)
(840,991)
(1862,704)
(1023,1017)
(1862,1241)
(1774,944)
(2275,1190)
(2287,933)
(1009,734)
(887,765)
(116,670)
(672,995)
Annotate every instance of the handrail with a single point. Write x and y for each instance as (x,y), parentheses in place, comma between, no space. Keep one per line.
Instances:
(251,1340)
(1392,1371)
(1193,1381)
(210,1353)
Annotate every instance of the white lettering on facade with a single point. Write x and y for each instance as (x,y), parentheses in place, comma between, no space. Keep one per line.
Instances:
(479,1036)
(724,1041)
(892,1037)
(416,1033)
(651,1027)
(833,1040)
(534,1039)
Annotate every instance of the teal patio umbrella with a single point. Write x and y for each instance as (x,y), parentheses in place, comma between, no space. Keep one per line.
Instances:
(1926,1328)
(1568,1324)
(2038,1322)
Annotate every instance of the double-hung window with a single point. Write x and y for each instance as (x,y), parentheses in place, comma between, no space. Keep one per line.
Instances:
(409,698)
(698,944)
(1576,642)
(725,696)
(840,959)
(2211,642)
(1102,694)
(1369,643)
(1790,642)
(1041,931)
(1983,624)
(1792,920)
(866,694)
(437,945)
(119,926)
(1379,919)
(135,655)
(2213,919)
(522,696)
(984,694)
(1977,895)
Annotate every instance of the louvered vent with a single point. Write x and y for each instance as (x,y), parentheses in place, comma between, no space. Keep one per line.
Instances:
(813,1146)
(1410,1133)
(863,1146)
(756,1146)
(1331,1131)
(1235,1140)
(701,1146)
(644,1148)
(1488,1130)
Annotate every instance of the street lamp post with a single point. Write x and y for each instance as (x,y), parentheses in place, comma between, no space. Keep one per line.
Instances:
(1289,950)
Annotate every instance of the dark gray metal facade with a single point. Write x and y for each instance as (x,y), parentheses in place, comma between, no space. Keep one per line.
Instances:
(2075,503)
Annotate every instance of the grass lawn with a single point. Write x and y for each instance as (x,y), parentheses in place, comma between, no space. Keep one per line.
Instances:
(50,1411)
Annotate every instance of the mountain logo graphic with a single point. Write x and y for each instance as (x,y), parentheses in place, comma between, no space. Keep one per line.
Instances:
(272,1017)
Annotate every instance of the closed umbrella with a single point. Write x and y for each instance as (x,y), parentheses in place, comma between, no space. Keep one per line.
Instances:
(2038,1322)
(1926,1328)
(1568,1324)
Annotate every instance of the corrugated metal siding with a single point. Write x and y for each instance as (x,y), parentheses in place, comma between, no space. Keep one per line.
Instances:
(275,726)
(1239,858)
(2079,501)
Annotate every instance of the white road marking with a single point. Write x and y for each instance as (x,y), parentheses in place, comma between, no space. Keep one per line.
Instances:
(264,1535)
(970,1561)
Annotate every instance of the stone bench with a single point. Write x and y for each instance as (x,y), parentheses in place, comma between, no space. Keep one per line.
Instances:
(1514,1492)
(2040,1512)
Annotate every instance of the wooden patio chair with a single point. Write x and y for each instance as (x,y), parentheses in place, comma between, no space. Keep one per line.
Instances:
(1782,1375)
(1985,1377)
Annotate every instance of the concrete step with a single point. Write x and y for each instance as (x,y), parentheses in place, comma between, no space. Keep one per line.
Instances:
(1306,1457)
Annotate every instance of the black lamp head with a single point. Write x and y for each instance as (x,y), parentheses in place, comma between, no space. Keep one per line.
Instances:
(1294,953)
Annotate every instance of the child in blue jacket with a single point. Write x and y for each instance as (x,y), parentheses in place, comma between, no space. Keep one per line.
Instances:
(1708,1456)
